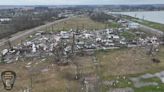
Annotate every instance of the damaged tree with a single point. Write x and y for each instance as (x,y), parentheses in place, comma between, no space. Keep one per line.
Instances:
(77,69)
(152,50)
(61,57)
(8,43)
(97,67)
(58,54)
(2,58)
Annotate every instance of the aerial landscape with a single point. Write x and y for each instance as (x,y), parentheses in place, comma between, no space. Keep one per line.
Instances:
(82,46)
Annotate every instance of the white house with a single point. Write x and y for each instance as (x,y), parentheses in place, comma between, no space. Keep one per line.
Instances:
(133,25)
(64,34)
(5,19)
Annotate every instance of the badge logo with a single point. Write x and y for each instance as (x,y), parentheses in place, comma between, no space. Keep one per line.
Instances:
(8,78)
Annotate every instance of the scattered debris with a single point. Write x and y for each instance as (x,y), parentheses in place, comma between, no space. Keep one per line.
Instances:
(121,90)
(137,81)
(63,44)
(45,70)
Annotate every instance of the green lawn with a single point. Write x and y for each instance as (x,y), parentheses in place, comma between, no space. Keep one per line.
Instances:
(128,35)
(159,88)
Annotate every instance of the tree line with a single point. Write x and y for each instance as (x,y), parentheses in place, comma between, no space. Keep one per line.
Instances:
(102,17)
(27,21)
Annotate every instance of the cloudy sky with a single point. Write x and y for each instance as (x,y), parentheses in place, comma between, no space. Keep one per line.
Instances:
(77,2)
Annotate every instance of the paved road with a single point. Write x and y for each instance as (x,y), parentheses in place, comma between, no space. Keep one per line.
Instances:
(148,29)
(151,30)
(19,35)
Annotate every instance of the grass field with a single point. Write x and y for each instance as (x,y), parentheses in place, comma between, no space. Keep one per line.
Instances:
(113,63)
(130,62)
(47,76)
(82,22)
(129,35)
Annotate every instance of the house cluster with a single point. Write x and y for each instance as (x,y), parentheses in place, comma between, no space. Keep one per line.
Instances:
(129,24)
(4,20)
(63,43)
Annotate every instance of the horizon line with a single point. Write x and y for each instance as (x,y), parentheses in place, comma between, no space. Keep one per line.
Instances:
(72,4)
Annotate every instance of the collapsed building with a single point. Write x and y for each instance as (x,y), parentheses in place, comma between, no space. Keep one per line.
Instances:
(64,44)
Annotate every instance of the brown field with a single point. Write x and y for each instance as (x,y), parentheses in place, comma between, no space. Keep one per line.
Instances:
(129,61)
(56,79)
(61,78)
(82,22)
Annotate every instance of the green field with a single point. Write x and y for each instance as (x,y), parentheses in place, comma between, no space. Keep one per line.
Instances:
(129,35)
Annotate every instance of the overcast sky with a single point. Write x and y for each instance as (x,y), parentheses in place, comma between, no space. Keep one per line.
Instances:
(77,2)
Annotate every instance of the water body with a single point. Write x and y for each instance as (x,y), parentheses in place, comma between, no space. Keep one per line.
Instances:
(155,16)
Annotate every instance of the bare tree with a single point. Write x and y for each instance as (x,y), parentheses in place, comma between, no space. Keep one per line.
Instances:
(151,50)
(58,52)
(97,67)
(8,43)
(1,58)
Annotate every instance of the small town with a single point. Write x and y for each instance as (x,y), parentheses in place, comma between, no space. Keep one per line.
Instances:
(82,48)
(43,44)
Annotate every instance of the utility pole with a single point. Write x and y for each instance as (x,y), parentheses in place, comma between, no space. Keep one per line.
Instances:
(31,72)
(106,26)
(68,87)
(135,15)
(31,79)
(86,86)
(163,38)
(52,27)
(73,42)
(77,74)
(97,66)
(83,26)
(63,29)
(1,58)
(143,17)
(9,43)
